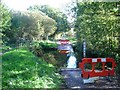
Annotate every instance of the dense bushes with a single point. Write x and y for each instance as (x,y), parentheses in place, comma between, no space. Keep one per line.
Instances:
(21,69)
(48,51)
(97,24)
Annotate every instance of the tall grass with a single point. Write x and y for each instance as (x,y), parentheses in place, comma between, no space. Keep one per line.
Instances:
(22,69)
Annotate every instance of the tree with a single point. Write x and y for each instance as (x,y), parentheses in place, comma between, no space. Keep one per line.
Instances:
(59,17)
(30,26)
(96,22)
(5,22)
(49,27)
(70,12)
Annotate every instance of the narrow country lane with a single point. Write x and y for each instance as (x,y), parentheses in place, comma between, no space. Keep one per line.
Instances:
(73,80)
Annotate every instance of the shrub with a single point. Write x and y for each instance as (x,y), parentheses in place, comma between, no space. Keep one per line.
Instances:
(21,69)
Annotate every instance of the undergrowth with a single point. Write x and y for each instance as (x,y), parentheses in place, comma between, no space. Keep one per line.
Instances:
(22,69)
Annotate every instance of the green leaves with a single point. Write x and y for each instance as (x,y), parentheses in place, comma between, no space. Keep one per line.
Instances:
(5,23)
(30,26)
(21,69)
(59,17)
(5,18)
(96,22)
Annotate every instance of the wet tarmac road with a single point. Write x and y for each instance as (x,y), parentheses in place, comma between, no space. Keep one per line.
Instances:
(73,80)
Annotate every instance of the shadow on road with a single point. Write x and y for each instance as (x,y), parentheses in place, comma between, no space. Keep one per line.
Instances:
(73,80)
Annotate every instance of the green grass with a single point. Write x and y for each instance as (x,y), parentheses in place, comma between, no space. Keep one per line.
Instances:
(48,44)
(21,69)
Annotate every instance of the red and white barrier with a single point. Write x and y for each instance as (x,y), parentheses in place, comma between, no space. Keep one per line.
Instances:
(93,62)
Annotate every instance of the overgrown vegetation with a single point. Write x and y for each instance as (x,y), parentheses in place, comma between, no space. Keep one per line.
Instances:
(48,50)
(97,24)
(21,69)
(57,15)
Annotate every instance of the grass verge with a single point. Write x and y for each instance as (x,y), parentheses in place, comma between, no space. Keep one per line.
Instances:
(22,69)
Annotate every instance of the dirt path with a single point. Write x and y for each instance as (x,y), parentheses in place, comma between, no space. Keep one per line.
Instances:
(73,80)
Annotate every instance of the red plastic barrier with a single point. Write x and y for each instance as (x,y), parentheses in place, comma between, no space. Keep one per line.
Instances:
(64,46)
(93,62)
(64,51)
(64,41)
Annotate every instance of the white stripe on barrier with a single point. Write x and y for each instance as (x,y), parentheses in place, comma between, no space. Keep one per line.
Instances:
(94,60)
(103,59)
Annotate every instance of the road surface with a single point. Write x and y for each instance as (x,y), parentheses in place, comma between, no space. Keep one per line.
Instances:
(73,80)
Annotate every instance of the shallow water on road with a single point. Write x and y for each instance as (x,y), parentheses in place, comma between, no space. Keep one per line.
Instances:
(71,63)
